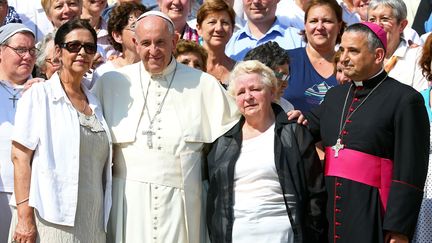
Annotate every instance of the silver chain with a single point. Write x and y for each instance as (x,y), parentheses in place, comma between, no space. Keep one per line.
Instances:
(342,124)
(158,111)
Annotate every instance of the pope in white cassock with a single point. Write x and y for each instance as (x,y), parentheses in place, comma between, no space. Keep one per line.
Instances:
(160,113)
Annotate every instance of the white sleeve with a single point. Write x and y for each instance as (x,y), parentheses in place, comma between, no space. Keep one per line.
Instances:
(28,118)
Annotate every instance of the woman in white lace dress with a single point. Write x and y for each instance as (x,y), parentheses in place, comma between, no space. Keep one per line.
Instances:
(61,151)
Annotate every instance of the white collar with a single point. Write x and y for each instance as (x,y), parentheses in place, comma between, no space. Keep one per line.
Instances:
(360,83)
(167,71)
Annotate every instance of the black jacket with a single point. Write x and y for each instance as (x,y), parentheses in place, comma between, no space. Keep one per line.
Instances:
(299,171)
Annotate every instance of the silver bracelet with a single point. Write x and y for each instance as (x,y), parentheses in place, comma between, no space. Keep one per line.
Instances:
(23,201)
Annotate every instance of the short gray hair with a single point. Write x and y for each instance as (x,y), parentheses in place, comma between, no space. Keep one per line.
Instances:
(398,7)
(41,53)
(252,66)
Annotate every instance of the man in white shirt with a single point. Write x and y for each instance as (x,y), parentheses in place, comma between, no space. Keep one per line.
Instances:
(292,12)
(262,26)
(160,113)
(17,58)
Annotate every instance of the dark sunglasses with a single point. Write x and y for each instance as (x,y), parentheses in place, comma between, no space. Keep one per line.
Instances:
(282,76)
(75,47)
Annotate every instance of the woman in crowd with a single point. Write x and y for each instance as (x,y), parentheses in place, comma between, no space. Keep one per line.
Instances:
(92,10)
(423,232)
(178,11)
(61,151)
(277,59)
(46,61)
(60,11)
(338,69)
(121,26)
(191,54)
(17,57)
(312,72)
(265,178)
(215,23)
(401,57)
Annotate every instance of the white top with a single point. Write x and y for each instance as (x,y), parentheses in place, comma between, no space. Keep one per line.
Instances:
(285,104)
(47,122)
(90,80)
(33,16)
(407,70)
(258,198)
(411,6)
(425,36)
(412,35)
(290,14)
(347,16)
(7,117)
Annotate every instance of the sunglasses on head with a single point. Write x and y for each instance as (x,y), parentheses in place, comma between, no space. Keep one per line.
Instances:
(75,47)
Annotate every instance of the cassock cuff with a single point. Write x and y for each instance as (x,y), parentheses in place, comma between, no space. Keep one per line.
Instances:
(403,207)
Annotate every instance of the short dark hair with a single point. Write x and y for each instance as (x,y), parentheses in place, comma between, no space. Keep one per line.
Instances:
(373,41)
(71,25)
(119,19)
(270,53)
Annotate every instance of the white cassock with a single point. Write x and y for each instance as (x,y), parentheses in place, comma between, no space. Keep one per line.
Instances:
(157,191)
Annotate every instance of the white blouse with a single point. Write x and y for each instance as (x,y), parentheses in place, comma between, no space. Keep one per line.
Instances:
(47,122)
(259,207)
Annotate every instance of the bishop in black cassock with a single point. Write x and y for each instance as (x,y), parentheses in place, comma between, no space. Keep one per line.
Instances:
(376,136)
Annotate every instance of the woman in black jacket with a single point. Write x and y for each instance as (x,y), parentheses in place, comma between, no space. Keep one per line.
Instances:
(265,179)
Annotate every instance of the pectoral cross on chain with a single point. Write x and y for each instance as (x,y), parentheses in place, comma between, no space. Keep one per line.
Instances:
(338,146)
(14,99)
(149,134)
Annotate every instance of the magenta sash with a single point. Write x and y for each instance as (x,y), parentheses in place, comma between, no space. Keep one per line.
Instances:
(361,167)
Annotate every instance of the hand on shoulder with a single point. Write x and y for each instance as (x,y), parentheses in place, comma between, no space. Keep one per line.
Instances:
(30,82)
(297,114)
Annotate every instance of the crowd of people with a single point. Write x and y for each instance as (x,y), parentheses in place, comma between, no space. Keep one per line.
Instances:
(294,121)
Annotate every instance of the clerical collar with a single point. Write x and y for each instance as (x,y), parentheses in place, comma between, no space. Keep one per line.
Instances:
(167,71)
(372,81)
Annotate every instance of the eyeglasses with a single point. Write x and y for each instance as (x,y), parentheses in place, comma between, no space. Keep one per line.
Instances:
(54,61)
(281,76)
(131,23)
(75,47)
(21,51)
